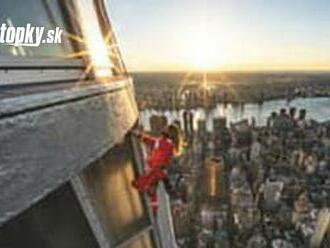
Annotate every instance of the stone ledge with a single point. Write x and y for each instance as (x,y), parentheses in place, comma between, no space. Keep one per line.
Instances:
(44,145)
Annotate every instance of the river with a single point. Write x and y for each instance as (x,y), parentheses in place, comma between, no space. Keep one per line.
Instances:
(317,109)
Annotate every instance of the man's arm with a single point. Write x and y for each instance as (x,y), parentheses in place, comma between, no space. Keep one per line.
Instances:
(147,139)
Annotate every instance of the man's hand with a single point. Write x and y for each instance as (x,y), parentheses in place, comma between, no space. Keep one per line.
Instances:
(137,133)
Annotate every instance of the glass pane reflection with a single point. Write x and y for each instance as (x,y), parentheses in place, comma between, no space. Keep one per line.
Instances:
(119,205)
(39,13)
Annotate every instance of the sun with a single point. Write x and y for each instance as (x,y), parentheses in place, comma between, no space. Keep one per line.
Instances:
(204,55)
(204,51)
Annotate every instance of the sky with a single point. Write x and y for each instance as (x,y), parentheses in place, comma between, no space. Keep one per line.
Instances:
(217,35)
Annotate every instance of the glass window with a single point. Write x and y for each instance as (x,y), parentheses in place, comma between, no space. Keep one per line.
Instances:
(39,13)
(55,221)
(119,205)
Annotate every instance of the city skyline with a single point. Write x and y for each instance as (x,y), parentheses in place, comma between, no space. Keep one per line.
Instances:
(223,35)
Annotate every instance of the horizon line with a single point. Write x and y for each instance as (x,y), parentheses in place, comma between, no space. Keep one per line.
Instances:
(235,71)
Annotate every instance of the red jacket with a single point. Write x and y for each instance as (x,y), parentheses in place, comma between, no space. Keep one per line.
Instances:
(161,151)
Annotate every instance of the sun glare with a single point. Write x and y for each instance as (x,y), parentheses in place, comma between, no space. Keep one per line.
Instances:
(97,48)
(204,52)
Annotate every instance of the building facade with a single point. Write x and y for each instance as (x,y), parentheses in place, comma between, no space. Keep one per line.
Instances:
(67,159)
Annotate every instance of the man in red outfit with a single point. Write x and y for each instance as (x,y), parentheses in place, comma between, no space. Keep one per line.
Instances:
(161,152)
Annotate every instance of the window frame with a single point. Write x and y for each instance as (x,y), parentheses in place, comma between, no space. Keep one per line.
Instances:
(108,33)
(87,200)
(138,163)
(9,62)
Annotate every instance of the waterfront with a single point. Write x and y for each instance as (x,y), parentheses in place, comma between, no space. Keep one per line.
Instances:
(317,108)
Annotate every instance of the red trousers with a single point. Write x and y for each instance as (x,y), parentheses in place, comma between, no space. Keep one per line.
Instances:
(146,182)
